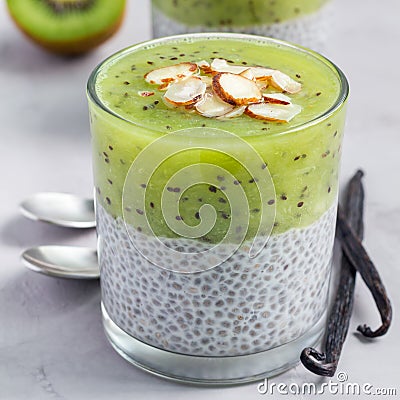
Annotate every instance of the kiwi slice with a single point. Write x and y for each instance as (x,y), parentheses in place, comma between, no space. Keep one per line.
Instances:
(67,26)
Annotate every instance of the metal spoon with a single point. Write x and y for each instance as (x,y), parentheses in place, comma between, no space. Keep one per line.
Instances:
(63,261)
(60,209)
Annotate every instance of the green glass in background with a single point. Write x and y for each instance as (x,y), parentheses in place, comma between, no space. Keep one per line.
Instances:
(305,22)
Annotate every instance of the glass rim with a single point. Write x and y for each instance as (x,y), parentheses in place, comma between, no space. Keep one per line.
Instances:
(340,100)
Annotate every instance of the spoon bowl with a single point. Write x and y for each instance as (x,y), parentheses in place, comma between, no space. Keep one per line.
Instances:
(63,261)
(60,209)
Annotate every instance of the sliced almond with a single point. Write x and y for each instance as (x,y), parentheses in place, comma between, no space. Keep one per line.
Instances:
(206,79)
(284,82)
(221,65)
(262,85)
(190,108)
(205,67)
(186,92)
(235,89)
(236,112)
(145,93)
(261,73)
(168,104)
(273,112)
(171,73)
(247,73)
(163,86)
(211,106)
(203,64)
(277,98)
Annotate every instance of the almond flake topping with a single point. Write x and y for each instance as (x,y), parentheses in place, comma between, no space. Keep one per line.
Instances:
(222,90)
(236,112)
(248,73)
(284,82)
(221,65)
(212,106)
(235,89)
(161,76)
(273,112)
(262,85)
(203,64)
(261,73)
(145,93)
(277,98)
(186,92)
(204,67)
(206,79)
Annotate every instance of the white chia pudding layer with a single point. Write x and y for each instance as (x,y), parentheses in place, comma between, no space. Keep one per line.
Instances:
(309,30)
(242,306)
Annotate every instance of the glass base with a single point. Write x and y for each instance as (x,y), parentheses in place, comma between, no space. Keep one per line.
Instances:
(210,370)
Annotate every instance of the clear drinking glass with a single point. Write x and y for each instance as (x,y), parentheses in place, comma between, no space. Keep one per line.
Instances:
(214,239)
(303,22)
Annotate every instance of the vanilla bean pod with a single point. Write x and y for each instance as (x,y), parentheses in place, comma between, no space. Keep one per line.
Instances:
(325,363)
(359,258)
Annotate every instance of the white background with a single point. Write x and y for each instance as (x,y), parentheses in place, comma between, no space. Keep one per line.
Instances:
(51,339)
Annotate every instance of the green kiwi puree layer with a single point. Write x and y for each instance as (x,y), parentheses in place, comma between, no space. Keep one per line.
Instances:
(236,12)
(301,156)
